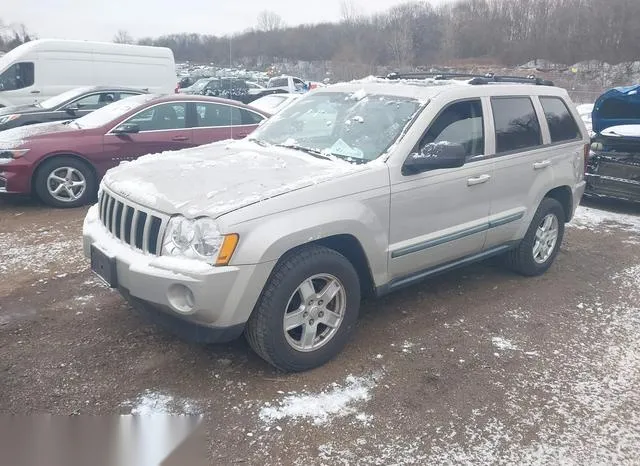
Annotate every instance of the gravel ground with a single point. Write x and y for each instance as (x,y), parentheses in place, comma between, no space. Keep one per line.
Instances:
(476,366)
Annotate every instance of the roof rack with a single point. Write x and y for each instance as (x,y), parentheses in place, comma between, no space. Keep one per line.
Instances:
(473,78)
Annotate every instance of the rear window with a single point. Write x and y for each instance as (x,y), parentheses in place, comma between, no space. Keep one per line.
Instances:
(562,125)
(278,82)
(517,126)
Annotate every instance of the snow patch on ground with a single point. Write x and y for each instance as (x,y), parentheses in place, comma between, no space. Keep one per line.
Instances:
(503,344)
(39,252)
(589,412)
(151,403)
(320,408)
(587,218)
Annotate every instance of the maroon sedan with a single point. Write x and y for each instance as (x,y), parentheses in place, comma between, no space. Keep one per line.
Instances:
(62,162)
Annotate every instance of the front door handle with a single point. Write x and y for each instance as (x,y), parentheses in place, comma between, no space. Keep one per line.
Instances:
(541,165)
(478,180)
(35,92)
(180,138)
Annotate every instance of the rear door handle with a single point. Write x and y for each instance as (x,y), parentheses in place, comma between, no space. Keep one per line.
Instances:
(180,138)
(541,165)
(478,180)
(35,92)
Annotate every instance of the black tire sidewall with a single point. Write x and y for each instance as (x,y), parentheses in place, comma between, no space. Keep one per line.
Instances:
(329,263)
(53,164)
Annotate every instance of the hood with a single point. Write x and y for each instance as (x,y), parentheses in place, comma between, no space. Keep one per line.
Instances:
(218,178)
(20,109)
(15,137)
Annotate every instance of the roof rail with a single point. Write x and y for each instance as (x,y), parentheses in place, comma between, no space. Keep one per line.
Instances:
(473,78)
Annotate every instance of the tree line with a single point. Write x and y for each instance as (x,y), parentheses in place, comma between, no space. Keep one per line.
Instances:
(417,34)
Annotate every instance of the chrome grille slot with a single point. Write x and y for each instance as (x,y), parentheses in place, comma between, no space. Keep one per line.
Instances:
(134,226)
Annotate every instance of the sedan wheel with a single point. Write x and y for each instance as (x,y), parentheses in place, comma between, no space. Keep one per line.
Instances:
(66,184)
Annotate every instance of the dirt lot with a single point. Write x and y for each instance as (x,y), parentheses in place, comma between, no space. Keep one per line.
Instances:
(477,366)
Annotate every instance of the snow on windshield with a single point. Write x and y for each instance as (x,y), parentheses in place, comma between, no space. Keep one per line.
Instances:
(110,112)
(61,98)
(357,126)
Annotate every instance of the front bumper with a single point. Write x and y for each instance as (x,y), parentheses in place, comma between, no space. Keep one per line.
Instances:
(222,297)
(15,177)
(613,187)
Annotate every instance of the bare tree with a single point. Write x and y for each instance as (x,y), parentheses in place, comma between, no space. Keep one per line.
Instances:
(350,11)
(123,37)
(269,21)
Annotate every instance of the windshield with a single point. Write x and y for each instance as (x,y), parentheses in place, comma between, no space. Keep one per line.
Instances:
(356,127)
(62,98)
(269,103)
(110,112)
(200,84)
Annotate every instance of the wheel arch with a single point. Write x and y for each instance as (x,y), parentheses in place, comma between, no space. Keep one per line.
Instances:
(351,248)
(564,196)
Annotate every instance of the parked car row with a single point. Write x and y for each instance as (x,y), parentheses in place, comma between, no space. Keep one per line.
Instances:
(62,162)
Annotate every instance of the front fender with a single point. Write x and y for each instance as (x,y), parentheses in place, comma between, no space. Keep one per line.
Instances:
(367,220)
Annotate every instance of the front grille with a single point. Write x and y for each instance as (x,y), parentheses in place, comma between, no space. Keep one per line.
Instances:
(134,226)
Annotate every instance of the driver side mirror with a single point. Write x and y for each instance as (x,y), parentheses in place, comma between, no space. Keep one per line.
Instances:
(435,155)
(72,109)
(126,128)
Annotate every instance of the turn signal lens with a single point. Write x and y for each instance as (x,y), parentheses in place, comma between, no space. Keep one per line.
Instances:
(228,247)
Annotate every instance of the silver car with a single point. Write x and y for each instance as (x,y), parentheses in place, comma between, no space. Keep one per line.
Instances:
(358,188)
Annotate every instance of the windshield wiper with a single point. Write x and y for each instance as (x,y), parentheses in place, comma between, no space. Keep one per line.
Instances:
(258,141)
(307,150)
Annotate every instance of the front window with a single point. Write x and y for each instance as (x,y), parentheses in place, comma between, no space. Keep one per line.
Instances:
(353,126)
(59,99)
(94,101)
(110,112)
(17,76)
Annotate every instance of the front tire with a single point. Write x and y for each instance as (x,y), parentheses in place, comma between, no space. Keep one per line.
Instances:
(65,182)
(541,244)
(307,310)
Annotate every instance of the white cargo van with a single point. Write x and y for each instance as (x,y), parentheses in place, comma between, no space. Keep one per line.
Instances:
(43,68)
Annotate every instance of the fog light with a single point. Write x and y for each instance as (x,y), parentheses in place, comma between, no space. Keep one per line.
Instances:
(181,298)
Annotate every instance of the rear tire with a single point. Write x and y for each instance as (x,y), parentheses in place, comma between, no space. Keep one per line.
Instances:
(540,245)
(302,340)
(65,182)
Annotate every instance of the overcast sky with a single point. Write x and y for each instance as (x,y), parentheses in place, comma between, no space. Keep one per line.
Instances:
(100,19)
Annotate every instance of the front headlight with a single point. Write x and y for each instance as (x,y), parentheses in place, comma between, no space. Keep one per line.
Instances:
(7,155)
(198,239)
(7,118)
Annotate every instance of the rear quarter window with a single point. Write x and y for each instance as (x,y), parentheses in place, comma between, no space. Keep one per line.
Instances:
(562,125)
(516,123)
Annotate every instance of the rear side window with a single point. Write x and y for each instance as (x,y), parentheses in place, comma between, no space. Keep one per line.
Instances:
(217,115)
(250,118)
(517,126)
(562,126)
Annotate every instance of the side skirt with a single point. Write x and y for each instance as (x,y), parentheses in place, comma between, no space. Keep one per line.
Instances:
(408,280)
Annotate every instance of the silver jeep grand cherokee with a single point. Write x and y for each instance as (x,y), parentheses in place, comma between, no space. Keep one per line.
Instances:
(362,187)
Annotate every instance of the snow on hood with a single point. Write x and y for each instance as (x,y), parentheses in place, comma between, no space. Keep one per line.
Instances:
(221,177)
(627,131)
(15,137)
